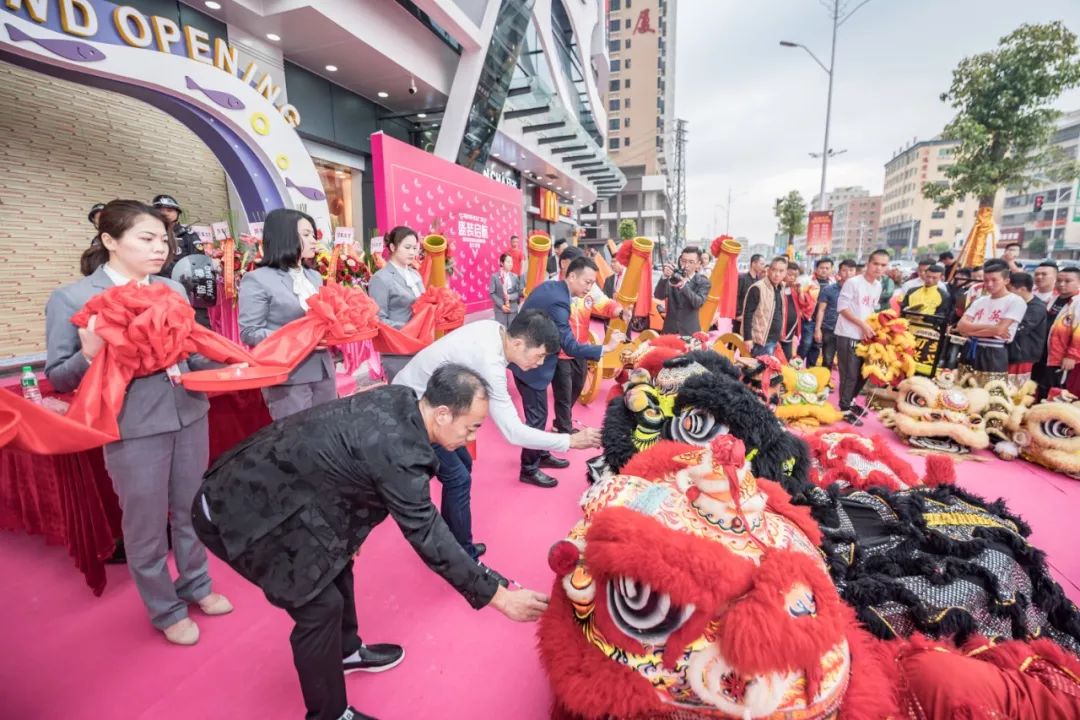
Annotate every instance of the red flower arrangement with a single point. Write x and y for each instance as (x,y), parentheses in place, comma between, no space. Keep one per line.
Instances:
(343,266)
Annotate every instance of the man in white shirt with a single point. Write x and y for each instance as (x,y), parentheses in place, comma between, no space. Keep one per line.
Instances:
(858,300)
(488,348)
(990,322)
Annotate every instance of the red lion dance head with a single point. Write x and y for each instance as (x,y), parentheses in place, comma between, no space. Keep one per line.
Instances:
(692,589)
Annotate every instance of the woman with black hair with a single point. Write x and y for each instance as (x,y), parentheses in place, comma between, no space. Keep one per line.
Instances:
(275,294)
(505,290)
(164,445)
(395,288)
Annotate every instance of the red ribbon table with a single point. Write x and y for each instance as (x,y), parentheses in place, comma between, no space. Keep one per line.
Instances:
(69,499)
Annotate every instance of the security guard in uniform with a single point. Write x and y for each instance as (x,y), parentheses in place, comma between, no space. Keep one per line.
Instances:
(187,241)
(93,215)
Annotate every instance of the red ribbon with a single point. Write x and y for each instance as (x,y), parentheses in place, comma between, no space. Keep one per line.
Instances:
(148,328)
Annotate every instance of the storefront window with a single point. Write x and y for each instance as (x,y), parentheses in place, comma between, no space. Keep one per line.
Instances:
(337,184)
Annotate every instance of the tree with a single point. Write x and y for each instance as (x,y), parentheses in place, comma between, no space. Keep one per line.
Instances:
(940,247)
(1004,121)
(1037,247)
(627,229)
(791,216)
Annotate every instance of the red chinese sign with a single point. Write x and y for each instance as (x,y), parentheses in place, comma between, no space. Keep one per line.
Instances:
(644,23)
(819,233)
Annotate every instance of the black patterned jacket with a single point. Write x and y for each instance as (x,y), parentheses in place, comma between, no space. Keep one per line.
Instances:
(294,502)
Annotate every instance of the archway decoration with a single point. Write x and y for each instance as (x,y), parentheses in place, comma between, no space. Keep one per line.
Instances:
(175,69)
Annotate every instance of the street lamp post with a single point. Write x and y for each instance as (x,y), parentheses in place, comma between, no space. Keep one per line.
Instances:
(837,21)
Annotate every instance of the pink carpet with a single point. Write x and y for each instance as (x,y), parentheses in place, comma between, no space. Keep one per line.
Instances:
(69,656)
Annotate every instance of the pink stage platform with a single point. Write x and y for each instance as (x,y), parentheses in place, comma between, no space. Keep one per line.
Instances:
(70,656)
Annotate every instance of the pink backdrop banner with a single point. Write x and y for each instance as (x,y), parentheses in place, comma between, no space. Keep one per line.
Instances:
(476,215)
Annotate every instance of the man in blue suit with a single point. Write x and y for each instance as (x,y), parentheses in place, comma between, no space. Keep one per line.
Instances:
(553,298)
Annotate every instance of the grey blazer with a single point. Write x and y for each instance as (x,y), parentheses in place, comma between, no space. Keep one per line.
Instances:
(392,294)
(267,302)
(495,290)
(152,405)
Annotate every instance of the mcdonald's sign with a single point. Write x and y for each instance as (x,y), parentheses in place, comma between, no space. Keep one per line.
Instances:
(548,204)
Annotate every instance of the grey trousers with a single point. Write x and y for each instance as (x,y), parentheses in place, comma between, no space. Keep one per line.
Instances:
(285,400)
(850,365)
(505,318)
(156,478)
(393,364)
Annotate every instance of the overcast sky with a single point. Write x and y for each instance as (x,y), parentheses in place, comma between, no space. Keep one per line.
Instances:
(756,110)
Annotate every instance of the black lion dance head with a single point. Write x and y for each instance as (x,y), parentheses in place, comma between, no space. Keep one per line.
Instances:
(694,398)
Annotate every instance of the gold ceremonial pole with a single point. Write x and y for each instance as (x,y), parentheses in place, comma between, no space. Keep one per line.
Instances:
(973,253)
(627,293)
(435,249)
(729,251)
(539,247)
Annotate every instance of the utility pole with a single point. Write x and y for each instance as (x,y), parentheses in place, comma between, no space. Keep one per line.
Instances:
(680,184)
(727,222)
(858,255)
(840,15)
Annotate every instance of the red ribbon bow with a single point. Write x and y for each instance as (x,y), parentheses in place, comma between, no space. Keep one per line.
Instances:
(447,305)
(146,329)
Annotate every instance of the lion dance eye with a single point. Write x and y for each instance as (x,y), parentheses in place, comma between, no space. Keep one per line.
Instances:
(643,614)
(696,427)
(1057,429)
(914,398)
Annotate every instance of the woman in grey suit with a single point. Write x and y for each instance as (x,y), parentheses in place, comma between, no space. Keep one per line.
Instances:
(395,288)
(505,291)
(164,445)
(275,294)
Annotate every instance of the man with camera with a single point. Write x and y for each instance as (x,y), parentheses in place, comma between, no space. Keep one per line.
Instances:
(684,290)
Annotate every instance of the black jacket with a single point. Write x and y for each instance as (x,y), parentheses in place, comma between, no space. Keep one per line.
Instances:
(745,281)
(294,502)
(682,304)
(609,286)
(187,243)
(1030,340)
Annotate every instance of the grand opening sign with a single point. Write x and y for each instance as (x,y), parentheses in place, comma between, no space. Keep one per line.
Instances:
(80,18)
(475,214)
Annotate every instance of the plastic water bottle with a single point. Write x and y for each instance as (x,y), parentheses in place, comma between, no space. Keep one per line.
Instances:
(30,389)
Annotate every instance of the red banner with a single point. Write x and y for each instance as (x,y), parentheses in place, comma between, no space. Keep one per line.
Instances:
(819,233)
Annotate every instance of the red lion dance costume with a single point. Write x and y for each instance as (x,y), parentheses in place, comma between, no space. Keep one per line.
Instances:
(692,588)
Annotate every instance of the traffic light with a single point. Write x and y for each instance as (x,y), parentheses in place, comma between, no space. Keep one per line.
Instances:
(1039,200)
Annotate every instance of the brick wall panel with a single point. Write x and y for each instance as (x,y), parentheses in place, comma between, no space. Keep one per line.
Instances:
(63,147)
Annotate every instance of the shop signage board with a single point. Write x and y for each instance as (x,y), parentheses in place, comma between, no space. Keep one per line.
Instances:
(819,232)
(501,173)
(234,110)
(477,215)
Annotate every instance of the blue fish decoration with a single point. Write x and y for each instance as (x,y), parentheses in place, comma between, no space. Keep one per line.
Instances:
(309,192)
(224,99)
(68,49)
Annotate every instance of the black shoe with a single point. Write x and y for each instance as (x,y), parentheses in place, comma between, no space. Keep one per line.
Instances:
(539,478)
(550,461)
(352,713)
(119,557)
(374,659)
(499,577)
(851,418)
(479,549)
